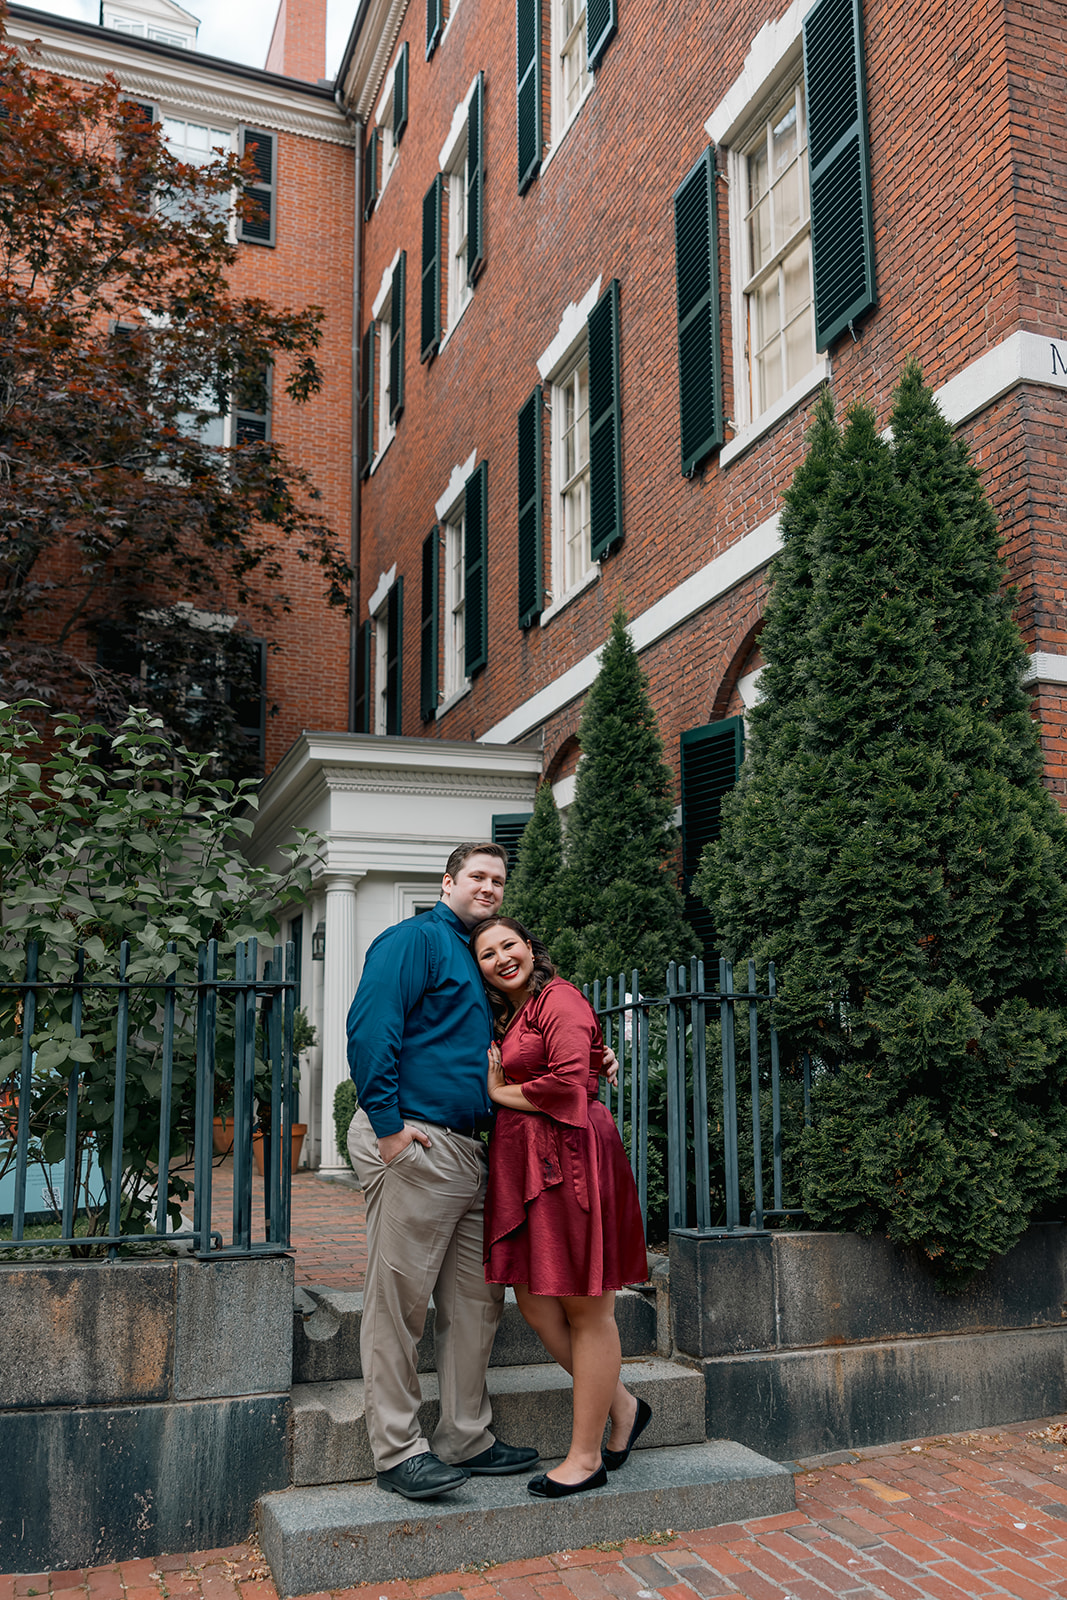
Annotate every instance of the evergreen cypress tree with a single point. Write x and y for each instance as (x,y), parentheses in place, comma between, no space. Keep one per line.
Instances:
(892,846)
(533,888)
(621,903)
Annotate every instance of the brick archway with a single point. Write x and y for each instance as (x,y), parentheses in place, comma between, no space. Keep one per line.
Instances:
(727,669)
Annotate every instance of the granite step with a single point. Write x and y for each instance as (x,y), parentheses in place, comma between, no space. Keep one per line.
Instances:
(324,1538)
(531,1405)
(326,1333)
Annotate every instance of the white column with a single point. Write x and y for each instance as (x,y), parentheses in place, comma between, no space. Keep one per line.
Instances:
(338,987)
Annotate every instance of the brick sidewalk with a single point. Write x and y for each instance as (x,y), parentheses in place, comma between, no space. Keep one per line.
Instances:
(328,1225)
(953,1518)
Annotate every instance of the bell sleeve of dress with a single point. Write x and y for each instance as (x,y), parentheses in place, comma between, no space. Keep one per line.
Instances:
(571,1034)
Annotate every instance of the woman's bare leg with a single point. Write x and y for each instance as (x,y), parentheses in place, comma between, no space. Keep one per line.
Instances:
(548,1319)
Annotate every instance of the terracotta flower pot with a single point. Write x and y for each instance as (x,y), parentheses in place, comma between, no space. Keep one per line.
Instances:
(299,1130)
(222,1136)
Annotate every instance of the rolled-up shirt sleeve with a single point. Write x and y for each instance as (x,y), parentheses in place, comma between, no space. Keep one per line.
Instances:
(571,1036)
(396,974)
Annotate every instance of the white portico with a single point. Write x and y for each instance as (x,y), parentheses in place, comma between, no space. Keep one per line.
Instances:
(389,811)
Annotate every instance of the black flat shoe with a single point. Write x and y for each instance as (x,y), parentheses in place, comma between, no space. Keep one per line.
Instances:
(546,1488)
(422,1477)
(614,1459)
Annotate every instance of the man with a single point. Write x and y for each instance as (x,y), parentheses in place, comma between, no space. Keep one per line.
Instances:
(419,1030)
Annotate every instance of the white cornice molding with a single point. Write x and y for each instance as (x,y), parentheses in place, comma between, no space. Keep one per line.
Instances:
(433,782)
(1046,666)
(371,55)
(189,85)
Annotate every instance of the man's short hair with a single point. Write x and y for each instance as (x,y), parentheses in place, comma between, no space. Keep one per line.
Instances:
(463,852)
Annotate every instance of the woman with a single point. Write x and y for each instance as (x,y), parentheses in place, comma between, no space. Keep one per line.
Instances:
(562,1220)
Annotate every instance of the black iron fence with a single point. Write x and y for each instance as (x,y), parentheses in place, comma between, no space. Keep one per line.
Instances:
(703,1137)
(109,1091)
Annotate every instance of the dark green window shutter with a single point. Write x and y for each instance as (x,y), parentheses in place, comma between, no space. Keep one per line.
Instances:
(431,579)
(435,21)
(696,245)
(361,710)
(601,20)
(370,174)
(475,540)
(528,71)
(531,583)
(842,225)
(431,270)
(366,401)
(476,180)
(259,229)
(252,407)
(394,653)
(605,424)
(247,699)
(396,338)
(711,760)
(400,94)
(508,829)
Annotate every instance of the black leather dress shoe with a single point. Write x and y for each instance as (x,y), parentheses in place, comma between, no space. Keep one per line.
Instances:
(614,1459)
(546,1488)
(500,1459)
(422,1477)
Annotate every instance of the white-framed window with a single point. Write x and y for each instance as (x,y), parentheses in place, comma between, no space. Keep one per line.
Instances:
(770,241)
(458,177)
(572,560)
(386,310)
(455,613)
(571,77)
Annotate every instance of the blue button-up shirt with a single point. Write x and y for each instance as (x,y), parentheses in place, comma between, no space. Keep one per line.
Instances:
(420,1026)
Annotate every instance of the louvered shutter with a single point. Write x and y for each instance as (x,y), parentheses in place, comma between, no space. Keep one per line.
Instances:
(842,226)
(431,270)
(397,300)
(601,20)
(528,88)
(366,401)
(605,424)
(711,760)
(252,407)
(400,95)
(476,180)
(531,584)
(508,829)
(259,229)
(699,352)
(394,653)
(431,579)
(361,697)
(435,21)
(475,538)
(370,174)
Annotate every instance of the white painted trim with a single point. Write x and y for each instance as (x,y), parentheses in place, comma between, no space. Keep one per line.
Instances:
(1046,666)
(749,690)
(457,133)
(453,8)
(748,555)
(567,126)
(385,99)
(1022,357)
(453,700)
(563,791)
(747,436)
(383,450)
(769,56)
(385,289)
(457,483)
(572,594)
(571,330)
(378,598)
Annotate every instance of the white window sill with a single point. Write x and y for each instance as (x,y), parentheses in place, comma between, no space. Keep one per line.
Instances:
(376,463)
(567,126)
(454,324)
(770,418)
(572,593)
(448,24)
(453,700)
(385,182)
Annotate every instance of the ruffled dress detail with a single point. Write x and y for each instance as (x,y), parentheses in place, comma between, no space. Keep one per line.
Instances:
(561,1209)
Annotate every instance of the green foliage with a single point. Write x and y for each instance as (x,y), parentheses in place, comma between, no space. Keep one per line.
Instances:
(533,888)
(891,846)
(112,837)
(345,1106)
(620,905)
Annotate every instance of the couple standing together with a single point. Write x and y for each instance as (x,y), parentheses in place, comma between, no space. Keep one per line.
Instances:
(459,1013)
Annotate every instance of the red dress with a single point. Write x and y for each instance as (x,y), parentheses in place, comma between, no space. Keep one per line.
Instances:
(561,1209)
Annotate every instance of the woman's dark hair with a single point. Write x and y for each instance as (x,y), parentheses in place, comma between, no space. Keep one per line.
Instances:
(543,970)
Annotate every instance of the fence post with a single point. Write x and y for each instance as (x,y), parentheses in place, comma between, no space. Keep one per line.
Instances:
(776,1100)
(676,1160)
(29,1019)
(207,969)
(753,1063)
(165,1092)
(701,1173)
(729,1095)
(70,1132)
(119,1120)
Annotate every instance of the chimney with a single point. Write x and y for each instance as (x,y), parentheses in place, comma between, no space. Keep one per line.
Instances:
(298,43)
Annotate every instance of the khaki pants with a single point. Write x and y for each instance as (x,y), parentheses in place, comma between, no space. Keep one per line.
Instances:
(424,1236)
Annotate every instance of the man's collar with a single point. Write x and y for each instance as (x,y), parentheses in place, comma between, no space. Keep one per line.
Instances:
(445,912)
